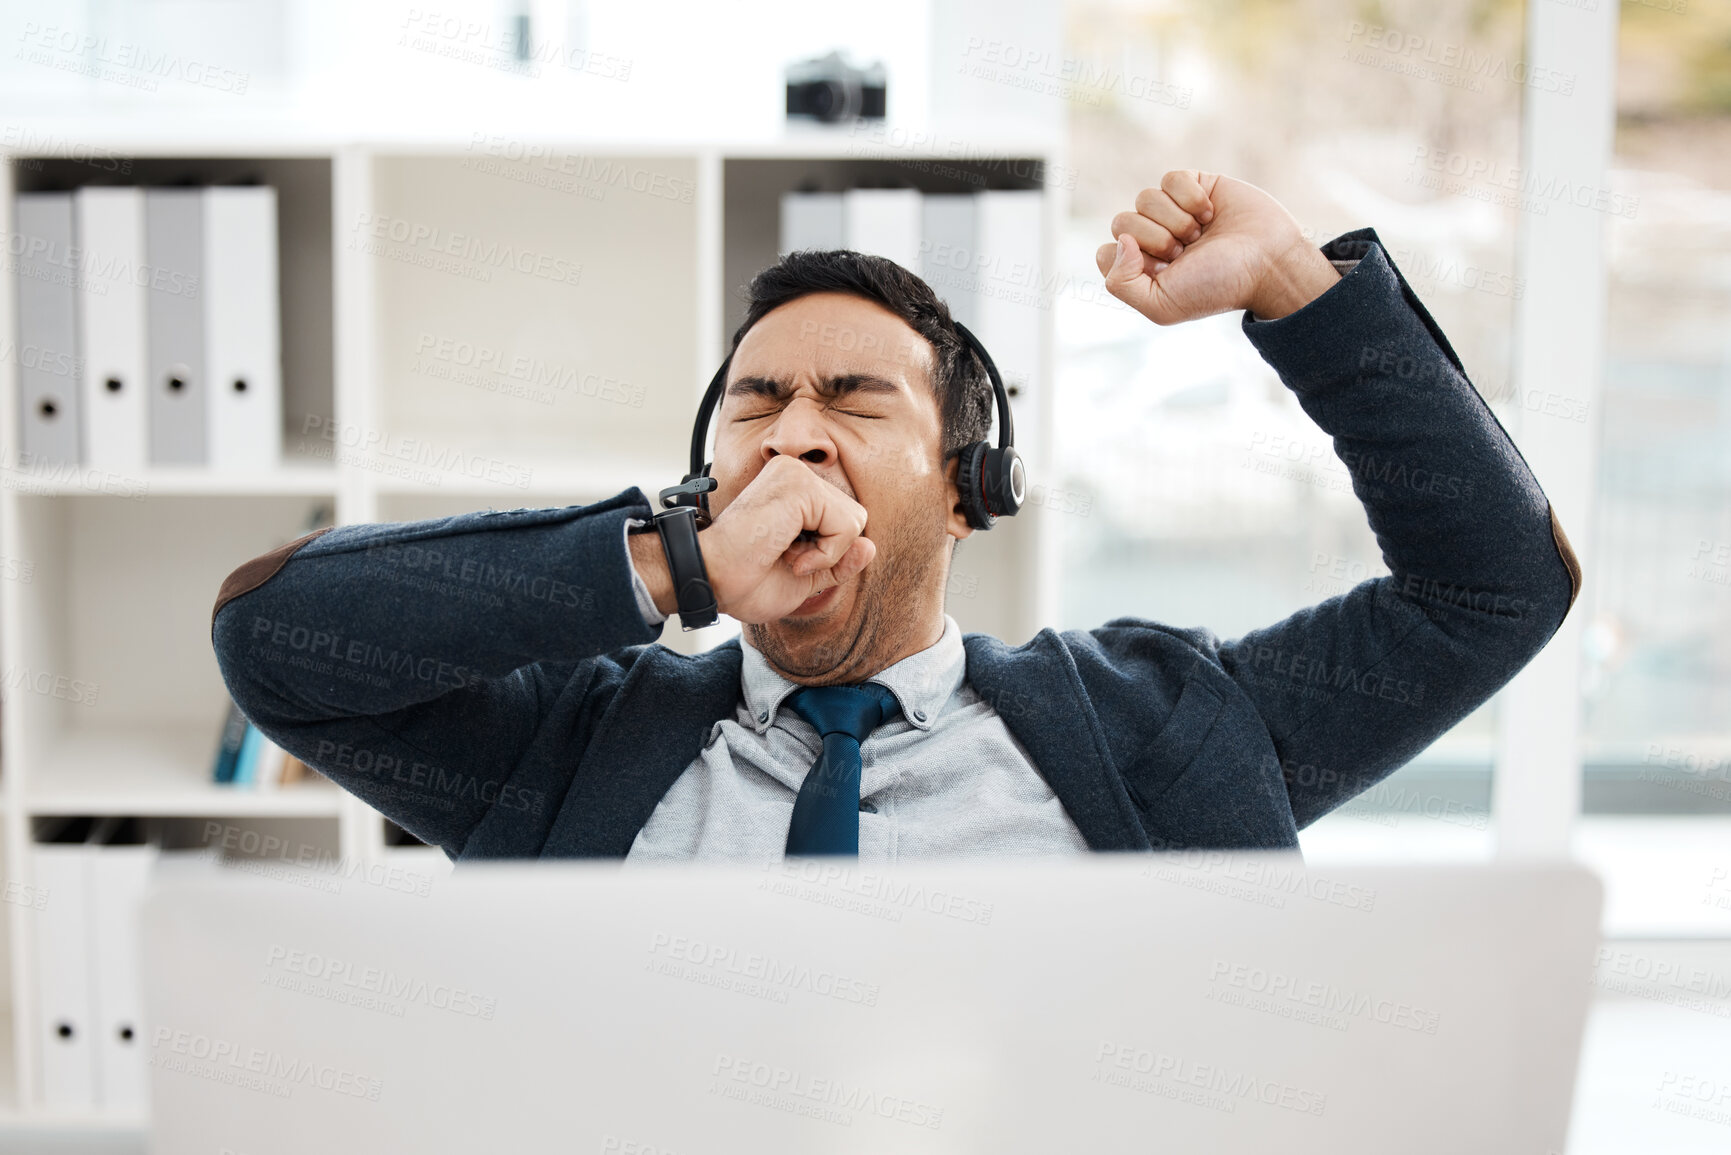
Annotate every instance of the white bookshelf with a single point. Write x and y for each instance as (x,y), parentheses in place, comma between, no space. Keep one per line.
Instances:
(157,771)
(123,574)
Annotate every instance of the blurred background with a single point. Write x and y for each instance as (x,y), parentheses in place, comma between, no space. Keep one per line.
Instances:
(511,238)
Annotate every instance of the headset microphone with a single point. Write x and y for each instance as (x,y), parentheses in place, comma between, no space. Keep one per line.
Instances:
(991,480)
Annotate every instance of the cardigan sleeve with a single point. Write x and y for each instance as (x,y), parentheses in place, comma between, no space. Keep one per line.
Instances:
(414,662)
(1480,572)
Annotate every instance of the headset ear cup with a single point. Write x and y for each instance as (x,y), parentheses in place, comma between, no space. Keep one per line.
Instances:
(969,485)
(1005,483)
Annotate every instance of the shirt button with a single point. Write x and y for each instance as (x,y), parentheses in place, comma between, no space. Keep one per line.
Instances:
(763,715)
(919,715)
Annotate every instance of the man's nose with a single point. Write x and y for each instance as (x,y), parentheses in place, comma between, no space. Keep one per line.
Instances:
(801,432)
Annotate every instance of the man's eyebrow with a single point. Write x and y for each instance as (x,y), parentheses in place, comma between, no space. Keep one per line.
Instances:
(780,389)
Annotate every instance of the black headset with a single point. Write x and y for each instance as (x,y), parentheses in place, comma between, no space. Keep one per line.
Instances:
(992,481)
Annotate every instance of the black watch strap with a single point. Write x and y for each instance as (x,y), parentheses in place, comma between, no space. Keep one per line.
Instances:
(678,529)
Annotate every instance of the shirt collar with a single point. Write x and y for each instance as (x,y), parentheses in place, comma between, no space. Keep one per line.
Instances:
(922,683)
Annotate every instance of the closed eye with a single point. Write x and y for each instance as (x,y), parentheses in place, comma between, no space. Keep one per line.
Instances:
(844,412)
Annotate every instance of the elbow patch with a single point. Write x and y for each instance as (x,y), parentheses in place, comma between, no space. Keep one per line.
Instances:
(250,575)
(1567,553)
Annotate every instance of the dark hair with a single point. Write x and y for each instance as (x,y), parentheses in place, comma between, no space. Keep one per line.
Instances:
(963,391)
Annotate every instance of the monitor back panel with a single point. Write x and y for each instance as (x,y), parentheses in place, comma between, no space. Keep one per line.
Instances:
(1214,1002)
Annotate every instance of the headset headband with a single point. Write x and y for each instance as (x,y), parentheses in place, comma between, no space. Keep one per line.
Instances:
(1006,427)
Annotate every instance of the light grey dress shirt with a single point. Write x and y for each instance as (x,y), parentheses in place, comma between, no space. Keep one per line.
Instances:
(945,778)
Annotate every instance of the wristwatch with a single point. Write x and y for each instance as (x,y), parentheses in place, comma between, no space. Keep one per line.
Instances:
(678,529)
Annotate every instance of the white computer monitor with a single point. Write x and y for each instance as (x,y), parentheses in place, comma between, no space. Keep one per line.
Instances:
(1209,1002)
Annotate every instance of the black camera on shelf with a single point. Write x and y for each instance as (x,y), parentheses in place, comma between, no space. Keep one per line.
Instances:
(831,90)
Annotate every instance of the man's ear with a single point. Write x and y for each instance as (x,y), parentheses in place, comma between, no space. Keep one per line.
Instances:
(957,526)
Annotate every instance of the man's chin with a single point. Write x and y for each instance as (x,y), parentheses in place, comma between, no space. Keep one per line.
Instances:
(815,639)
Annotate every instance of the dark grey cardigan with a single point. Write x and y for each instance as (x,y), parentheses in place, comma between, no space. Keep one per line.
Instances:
(484,679)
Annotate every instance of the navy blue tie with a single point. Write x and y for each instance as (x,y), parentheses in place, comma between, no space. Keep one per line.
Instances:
(826,813)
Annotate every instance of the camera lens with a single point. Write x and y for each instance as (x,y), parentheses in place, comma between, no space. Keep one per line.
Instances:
(828,99)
